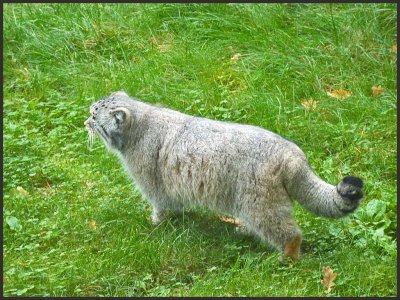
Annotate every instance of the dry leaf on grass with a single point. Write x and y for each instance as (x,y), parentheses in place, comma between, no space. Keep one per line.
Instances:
(393,51)
(22,191)
(48,185)
(235,58)
(339,94)
(163,43)
(164,47)
(92,225)
(234,221)
(88,184)
(309,104)
(328,277)
(377,90)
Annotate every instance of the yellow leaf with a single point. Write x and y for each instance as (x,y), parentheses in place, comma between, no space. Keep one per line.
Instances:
(48,185)
(22,191)
(234,221)
(339,94)
(393,51)
(377,90)
(164,47)
(328,276)
(309,104)
(164,43)
(92,225)
(235,58)
(88,184)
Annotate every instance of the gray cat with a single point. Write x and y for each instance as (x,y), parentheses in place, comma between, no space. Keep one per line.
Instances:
(177,161)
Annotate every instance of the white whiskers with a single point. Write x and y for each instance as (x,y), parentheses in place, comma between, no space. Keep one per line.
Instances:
(91,136)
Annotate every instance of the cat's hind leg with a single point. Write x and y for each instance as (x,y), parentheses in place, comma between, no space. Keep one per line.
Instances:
(281,231)
(273,222)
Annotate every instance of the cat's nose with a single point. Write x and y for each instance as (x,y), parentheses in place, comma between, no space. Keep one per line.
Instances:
(86,123)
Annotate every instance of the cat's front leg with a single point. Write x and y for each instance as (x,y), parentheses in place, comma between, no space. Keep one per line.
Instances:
(157,216)
(163,209)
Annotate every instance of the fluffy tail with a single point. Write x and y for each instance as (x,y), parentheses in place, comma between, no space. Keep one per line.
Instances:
(322,198)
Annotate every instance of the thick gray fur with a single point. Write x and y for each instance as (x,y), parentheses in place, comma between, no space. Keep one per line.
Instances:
(177,161)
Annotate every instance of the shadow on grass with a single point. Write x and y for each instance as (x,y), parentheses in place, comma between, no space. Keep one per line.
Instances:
(208,226)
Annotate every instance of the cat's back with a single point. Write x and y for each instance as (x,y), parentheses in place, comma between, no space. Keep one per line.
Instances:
(185,135)
(230,138)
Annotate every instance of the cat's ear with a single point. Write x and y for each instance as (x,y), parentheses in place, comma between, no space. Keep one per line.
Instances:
(120,93)
(121,115)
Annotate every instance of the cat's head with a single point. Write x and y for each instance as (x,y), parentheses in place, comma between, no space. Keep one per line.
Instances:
(110,118)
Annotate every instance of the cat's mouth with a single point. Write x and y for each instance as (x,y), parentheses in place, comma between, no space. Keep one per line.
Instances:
(94,129)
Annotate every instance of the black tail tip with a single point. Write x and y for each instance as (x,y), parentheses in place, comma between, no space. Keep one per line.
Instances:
(351,187)
(352,180)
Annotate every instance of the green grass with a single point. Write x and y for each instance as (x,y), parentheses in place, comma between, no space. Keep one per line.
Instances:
(60,58)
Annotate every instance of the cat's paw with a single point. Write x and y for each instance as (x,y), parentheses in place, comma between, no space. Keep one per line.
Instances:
(157,217)
(242,230)
(288,260)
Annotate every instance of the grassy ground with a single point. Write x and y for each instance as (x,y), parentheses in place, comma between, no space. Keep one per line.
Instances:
(73,225)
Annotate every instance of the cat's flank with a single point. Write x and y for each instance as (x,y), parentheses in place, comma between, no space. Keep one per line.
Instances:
(177,161)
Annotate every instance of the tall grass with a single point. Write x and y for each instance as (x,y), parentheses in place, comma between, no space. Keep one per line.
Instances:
(72,223)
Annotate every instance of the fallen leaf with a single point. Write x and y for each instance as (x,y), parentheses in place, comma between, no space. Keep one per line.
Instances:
(377,90)
(393,51)
(89,43)
(22,191)
(88,184)
(235,58)
(328,277)
(164,47)
(309,104)
(92,225)
(234,221)
(164,43)
(89,289)
(339,94)
(48,185)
